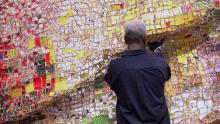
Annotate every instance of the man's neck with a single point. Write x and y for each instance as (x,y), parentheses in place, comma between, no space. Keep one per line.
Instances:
(135,46)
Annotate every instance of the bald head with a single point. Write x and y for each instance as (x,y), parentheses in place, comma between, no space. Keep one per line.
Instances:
(135,32)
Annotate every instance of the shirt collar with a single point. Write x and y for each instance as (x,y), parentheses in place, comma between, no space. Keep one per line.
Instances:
(133,52)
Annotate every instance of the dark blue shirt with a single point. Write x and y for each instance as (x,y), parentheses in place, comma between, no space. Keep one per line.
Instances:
(138,79)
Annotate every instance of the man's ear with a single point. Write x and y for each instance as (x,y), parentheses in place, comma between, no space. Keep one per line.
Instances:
(125,40)
(144,40)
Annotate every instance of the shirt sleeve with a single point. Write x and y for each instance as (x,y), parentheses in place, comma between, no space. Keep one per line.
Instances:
(109,75)
(168,73)
(165,69)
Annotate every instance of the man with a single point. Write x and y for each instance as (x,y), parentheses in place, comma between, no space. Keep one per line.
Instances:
(138,79)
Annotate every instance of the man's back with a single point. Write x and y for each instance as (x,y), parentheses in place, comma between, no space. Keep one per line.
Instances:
(138,80)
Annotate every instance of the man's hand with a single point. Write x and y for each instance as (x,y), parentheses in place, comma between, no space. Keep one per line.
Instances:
(157,46)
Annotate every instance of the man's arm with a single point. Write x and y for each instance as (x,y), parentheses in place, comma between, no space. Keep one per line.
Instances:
(109,75)
(168,73)
(157,47)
